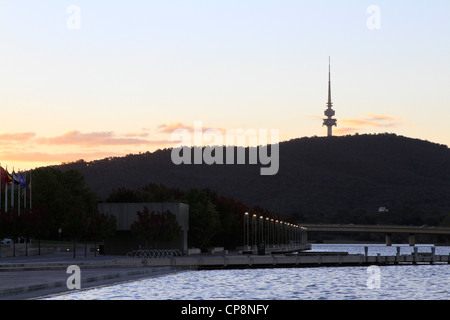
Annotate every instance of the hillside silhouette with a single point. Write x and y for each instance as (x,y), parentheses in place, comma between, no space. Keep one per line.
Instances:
(320,179)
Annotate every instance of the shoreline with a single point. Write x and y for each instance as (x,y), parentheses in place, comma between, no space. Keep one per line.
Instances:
(40,277)
(36,277)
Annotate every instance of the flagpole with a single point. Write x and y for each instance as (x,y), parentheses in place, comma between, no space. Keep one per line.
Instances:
(25,198)
(18,195)
(31,189)
(0,187)
(12,189)
(6,197)
(6,191)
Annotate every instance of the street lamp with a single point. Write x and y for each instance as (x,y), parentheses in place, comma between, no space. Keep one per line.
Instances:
(288,233)
(272,236)
(246,222)
(254,228)
(261,233)
(277,233)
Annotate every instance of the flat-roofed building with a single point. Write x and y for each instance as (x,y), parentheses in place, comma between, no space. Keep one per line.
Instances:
(126,213)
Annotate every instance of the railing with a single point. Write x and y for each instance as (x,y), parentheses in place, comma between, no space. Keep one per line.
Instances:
(154,253)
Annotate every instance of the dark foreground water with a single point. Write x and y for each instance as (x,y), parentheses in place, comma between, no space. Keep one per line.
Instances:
(333,283)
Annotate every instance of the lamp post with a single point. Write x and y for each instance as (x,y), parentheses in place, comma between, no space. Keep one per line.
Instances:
(272,236)
(246,222)
(276,226)
(295,234)
(261,227)
(275,232)
(254,228)
(288,234)
(281,233)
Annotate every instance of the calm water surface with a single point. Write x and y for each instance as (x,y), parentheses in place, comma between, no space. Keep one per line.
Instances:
(332,283)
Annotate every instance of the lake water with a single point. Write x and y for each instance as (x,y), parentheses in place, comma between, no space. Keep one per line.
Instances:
(399,282)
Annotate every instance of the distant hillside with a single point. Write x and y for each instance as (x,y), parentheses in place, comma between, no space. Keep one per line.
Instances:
(318,176)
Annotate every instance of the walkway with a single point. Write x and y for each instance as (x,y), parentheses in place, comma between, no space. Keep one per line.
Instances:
(34,276)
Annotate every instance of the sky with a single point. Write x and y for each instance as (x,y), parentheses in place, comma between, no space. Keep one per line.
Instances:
(85,79)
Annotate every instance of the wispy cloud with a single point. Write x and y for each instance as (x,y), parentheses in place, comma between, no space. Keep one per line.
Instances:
(73,145)
(378,117)
(137,134)
(347,126)
(90,139)
(16,137)
(373,120)
(54,157)
(344,131)
(169,128)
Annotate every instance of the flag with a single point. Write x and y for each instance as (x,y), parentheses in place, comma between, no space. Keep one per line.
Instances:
(22,181)
(5,176)
(16,178)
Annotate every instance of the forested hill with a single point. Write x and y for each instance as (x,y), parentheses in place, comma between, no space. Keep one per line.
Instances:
(318,177)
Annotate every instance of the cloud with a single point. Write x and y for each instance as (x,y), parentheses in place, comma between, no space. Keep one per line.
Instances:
(137,134)
(73,145)
(359,123)
(348,126)
(344,131)
(377,117)
(54,157)
(98,139)
(170,128)
(105,138)
(16,137)
(373,120)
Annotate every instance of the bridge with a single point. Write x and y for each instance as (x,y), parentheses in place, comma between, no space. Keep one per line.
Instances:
(386,229)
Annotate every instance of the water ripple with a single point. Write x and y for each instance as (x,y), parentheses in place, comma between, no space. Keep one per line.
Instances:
(406,282)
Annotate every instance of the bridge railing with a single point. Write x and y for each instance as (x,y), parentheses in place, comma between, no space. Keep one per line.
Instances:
(154,253)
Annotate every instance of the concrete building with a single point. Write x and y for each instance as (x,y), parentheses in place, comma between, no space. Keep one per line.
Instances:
(126,213)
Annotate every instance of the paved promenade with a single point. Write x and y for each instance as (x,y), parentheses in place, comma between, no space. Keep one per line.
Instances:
(36,276)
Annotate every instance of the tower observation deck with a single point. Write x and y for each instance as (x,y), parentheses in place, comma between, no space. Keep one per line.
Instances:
(329,112)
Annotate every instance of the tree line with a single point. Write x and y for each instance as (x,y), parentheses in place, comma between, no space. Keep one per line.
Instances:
(64,208)
(62,201)
(214,220)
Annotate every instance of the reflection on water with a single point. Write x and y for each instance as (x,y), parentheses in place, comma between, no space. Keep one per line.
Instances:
(383,250)
(335,283)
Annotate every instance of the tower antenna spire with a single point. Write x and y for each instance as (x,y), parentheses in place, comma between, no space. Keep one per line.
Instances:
(329,112)
(329,82)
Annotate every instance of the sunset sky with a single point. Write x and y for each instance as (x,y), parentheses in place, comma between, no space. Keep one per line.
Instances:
(91,79)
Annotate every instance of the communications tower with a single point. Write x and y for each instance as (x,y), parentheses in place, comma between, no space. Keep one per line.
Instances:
(329,112)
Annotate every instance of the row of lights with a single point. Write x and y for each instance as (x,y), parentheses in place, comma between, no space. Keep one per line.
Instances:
(273,233)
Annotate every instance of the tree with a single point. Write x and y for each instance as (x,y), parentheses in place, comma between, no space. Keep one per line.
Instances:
(60,194)
(75,225)
(157,192)
(29,224)
(204,219)
(155,226)
(124,195)
(101,227)
(231,214)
